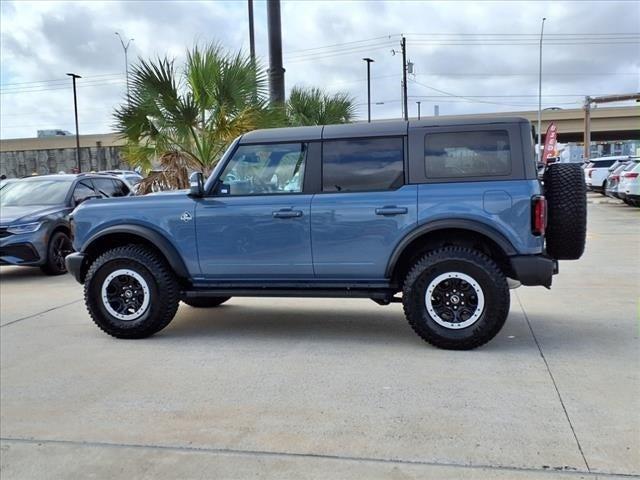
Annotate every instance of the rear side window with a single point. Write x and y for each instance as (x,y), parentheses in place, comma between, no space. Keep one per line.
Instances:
(467,154)
(603,163)
(360,165)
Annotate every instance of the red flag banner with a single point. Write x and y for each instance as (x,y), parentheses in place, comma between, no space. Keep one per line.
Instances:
(550,140)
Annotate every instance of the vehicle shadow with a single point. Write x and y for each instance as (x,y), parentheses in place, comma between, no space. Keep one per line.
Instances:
(291,323)
(294,323)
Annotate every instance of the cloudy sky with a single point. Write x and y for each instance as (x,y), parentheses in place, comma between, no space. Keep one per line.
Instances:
(468,57)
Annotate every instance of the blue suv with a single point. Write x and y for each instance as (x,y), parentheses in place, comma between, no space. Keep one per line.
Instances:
(449,214)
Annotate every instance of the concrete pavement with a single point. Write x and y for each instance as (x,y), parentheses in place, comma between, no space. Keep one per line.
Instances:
(306,388)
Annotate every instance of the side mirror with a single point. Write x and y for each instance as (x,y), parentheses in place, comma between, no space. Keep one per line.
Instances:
(196,184)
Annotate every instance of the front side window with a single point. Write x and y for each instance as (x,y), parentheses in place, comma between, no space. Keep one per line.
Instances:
(361,165)
(83,191)
(104,186)
(266,169)
(467,154)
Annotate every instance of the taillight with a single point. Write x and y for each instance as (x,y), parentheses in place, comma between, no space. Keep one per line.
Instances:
(614,177)
(590,173)
(538,215)
(630,175)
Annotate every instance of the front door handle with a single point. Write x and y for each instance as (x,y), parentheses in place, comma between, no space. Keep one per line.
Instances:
(287,213)
(388,211)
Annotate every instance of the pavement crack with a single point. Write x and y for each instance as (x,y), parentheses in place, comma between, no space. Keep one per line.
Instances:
(553,381)
(308,455)
(39,313)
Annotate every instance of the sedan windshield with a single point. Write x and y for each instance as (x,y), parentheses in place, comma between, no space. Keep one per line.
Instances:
(38,192)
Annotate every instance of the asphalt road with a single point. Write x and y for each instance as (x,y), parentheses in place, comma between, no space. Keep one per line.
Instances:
(323,389)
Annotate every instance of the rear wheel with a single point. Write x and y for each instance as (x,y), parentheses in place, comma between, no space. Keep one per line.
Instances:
(205,302)
(130,292)
(456,298)
(59,247)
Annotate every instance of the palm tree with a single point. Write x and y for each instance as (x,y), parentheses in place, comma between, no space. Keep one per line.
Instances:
(186,118)
(312,106)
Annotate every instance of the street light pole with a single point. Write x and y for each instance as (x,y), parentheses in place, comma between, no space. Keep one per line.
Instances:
(276,71)
(403,45)
(252,40)
(368,60)
(75,109)
(125,47)
(540,91)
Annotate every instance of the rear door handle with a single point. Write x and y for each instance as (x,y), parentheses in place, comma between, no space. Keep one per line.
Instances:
(388,211)
(287,213)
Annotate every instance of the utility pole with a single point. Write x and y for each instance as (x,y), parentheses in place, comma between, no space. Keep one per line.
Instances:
(368,60)
(252,39)
(587,114)
(403,45)
(75,108)
(276,71)
(418,109)
(125,47)
(540,92)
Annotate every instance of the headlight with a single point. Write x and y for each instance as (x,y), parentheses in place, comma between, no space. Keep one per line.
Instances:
(24,228)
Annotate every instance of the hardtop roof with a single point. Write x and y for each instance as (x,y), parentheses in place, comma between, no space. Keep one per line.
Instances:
(363,129)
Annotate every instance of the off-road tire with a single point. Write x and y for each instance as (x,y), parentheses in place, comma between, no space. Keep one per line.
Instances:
(566,195)
(53,266)
(205,302)
(480,268)
(163,291)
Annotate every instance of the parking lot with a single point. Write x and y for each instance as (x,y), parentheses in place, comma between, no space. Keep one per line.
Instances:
(326,388)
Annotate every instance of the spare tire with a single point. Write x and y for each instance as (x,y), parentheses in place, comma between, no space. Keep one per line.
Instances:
(566,194)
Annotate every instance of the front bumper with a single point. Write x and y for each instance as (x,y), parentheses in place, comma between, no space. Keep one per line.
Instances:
(74,262)
(19,254)
(534,269)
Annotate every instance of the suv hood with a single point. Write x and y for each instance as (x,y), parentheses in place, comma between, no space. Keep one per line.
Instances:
(29,213)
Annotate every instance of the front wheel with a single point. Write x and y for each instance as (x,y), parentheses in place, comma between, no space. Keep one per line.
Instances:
(59,247)
(456,298)
(131,292)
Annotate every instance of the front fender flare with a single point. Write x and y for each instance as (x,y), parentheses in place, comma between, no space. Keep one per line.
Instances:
(460,224)
(156,238)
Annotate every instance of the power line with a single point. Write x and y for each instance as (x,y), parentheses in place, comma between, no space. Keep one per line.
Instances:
(63,87)
(389,37)
(342,51)
(59,80)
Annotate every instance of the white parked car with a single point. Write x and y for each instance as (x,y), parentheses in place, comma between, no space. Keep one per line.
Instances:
(613,180)
(597,171)
(131,177)
(629,187)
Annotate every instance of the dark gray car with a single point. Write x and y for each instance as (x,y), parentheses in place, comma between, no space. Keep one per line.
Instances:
(34,216)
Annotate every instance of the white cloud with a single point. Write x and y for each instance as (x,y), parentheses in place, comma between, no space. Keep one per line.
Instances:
(44,40)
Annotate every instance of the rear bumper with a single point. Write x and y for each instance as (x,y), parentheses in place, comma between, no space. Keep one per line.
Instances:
(74,262)
(534,269)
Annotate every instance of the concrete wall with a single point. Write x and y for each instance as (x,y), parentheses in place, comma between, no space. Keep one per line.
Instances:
(25,162)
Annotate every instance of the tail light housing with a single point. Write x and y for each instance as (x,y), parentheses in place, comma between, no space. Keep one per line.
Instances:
(590,173)
(630,175)
(538,215)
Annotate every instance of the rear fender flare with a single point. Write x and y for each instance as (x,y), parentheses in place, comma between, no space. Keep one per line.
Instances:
(460,224)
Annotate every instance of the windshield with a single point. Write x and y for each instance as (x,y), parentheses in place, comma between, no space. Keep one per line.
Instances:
(40,192)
